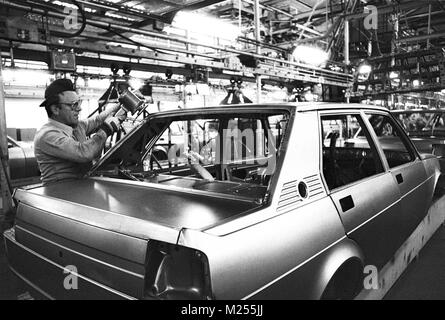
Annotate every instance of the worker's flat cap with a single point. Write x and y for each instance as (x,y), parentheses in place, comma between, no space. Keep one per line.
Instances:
(56,87)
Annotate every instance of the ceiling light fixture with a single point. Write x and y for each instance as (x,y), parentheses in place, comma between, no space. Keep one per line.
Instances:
(310,55)
(393,75)
(205,24)
(364,68)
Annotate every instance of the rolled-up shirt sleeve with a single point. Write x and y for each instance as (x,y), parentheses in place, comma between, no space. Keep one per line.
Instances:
(93,123)
(65,147)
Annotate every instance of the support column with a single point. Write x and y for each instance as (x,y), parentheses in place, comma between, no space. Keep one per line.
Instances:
(5,195)
(258,47)
(346,48)
(240,17)
(346,53)
(395,50)
(428,44)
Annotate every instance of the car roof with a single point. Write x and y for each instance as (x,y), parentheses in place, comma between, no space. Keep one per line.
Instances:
(270,107)
(411,111)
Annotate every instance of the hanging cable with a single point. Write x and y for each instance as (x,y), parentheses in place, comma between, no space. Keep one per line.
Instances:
(84,20)
(377,42)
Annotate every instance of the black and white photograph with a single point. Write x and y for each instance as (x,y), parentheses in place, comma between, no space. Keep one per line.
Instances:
(222,154)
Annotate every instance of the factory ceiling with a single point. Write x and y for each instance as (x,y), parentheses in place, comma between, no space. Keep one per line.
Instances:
(403,26)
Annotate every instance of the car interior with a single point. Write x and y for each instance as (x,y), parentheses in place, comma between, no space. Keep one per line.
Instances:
(225,154)
(347,154)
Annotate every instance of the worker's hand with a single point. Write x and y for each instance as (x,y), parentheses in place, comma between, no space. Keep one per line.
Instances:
(121,114)
(110,125)
(193,156)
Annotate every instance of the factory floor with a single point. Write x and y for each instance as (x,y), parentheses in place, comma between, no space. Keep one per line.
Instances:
(424,279)
(11,288)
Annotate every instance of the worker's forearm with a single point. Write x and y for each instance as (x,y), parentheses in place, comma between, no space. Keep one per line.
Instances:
(92,124)
(108,112)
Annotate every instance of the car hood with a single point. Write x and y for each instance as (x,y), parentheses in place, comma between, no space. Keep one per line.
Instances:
(141,210)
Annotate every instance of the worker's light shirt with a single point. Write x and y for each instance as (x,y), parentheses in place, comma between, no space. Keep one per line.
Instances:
(66,153)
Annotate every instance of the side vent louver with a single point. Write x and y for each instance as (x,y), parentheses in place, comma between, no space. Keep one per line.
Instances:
(290,196)
(315,187)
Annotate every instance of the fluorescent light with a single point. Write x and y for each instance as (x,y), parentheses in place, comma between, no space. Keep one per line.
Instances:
(416,83)
(64,4)
(311,55)
(118,16)
(24,77)
(98,83)
(205,24)
(136,83)
(364,68)
(133,6)
(393,75)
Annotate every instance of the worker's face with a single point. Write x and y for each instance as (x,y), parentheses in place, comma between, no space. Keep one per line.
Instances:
(68,108)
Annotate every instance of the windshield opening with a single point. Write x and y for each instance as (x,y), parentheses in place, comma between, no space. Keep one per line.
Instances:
(223,153)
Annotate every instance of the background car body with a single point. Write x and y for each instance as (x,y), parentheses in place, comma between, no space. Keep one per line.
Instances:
(22,162)
(173,236)
(426,129)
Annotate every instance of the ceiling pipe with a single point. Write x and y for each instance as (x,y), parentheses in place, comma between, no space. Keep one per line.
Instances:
(422,37)
(310,18)
(273,9)
(417,16)
(299,26)
(323,36)
(270,8)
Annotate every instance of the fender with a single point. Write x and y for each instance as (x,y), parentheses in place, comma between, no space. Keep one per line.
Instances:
(332,260)
(309,281)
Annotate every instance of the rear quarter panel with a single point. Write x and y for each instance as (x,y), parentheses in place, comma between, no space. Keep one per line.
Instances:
(265,260)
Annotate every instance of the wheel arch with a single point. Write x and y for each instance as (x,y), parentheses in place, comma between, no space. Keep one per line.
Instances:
(342,256)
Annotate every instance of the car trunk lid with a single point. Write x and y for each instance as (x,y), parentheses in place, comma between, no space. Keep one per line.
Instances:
(103,226)
(138,210)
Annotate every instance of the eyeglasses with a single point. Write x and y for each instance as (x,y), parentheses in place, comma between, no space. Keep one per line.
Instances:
(75,106)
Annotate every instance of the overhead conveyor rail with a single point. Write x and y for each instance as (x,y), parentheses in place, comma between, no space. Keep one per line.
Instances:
(157,49)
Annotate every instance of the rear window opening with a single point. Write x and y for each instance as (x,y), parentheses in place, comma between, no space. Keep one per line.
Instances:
(226,154)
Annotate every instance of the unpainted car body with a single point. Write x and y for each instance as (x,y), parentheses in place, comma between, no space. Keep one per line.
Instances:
(304,230)
(426,129)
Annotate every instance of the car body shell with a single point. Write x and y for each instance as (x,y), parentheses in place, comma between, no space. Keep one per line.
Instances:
(431,137)
(291,245)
